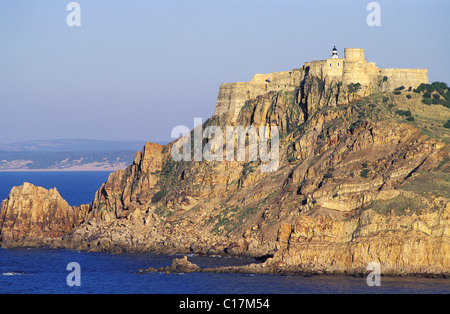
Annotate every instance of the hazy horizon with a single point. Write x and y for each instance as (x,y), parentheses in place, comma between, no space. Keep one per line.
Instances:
(134,70)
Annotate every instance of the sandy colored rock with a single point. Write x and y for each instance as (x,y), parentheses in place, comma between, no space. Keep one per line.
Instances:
(356,182)
(33,213)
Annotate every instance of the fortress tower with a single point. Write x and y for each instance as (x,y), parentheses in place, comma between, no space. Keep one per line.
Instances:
(355,67)
(334,71)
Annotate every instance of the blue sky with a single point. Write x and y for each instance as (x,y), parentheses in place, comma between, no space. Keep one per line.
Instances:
(135,69)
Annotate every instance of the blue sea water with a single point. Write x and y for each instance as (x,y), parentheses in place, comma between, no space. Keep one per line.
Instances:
(39,270)
(75,187)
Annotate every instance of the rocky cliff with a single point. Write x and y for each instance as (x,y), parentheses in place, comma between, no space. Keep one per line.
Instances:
(33,216)
(356,183)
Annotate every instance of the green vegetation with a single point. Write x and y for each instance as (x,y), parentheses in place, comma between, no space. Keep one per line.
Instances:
(232,218)
(436,93)
(406,113)
(353,88)
(433,182)
(427,101)
(400,205)
(248,168)
(398,90)
(163,212)
(364,173)
(159,196)
(447,124)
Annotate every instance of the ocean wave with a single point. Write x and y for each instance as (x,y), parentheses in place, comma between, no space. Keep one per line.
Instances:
(13,273)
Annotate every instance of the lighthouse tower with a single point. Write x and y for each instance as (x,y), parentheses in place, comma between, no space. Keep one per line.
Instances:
(334,53)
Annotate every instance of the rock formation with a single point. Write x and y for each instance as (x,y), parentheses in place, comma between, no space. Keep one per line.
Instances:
(33,216)
(179,265)
(356,183)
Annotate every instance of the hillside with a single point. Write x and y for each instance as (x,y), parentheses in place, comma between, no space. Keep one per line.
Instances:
(67,155)
(358,181)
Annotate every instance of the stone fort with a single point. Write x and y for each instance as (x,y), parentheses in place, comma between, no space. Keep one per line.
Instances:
(353,68)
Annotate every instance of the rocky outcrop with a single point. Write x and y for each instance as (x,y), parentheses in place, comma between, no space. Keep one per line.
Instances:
(349,188)
(326,242)
(179,265)
(127,189)
(33,216)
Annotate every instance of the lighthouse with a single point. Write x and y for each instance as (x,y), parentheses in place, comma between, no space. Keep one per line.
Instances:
(334,54)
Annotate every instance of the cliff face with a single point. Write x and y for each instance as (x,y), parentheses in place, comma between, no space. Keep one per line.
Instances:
(402,243)
(335,203)
(355,184)
(33,215)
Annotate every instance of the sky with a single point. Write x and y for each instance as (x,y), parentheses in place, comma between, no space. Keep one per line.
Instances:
(135,69)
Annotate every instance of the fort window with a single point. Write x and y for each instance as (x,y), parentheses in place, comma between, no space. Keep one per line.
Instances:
(338,64)
(330,65)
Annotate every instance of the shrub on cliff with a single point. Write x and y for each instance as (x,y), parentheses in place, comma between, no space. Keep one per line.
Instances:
(406,113)
(447,124)
(364,173)
(353,88)
(427,101)
(159,196)
(447,95)
(439,85)
(424,87)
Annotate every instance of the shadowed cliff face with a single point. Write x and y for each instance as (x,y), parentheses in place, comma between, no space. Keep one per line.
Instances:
(349,189)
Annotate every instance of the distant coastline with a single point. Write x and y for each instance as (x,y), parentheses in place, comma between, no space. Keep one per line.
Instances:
(68,155)
(86,169)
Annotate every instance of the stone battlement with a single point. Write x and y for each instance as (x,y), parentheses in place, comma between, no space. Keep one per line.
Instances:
(353,68)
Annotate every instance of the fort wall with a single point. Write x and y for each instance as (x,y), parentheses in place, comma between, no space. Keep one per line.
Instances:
(358,70)
(232,96)
(353,68)
(403,77)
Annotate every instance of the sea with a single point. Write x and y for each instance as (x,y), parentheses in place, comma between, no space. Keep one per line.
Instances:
(62,271)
